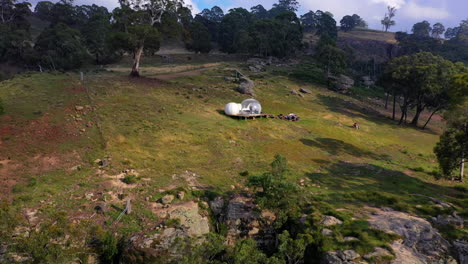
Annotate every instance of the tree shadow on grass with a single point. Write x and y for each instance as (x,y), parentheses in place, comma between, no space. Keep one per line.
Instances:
(337,147)
(380,186)
(355,111)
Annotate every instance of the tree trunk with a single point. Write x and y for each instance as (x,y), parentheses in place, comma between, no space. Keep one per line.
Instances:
(386,100)
(394,106)
(417,115)
(136,62)
(462,165)
(430,117)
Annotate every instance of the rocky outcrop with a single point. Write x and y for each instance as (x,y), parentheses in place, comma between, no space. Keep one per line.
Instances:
(453,219)
(246,86)
(340,83)
(420,243)
(367,81)
(340,257)
(461,248)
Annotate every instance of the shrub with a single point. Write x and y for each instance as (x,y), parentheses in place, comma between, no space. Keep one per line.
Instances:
(130,179)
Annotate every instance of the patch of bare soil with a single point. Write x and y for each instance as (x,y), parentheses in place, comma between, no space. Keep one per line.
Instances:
(21,140)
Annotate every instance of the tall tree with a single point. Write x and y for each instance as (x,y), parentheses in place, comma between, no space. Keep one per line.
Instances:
(329,56)
(422,29)
(437,30)
(388,21)
(326,25)
(452,149)
(140,18)
(61,48)
(43,10)
(259,12)
(422,80)
(233,33)
(309,21)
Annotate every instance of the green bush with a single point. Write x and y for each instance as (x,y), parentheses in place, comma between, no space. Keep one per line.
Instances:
(130,179)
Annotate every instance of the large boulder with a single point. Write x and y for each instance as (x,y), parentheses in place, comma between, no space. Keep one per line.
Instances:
(340,83)
(246,86)
(191,219)
(367,81)
(420,243)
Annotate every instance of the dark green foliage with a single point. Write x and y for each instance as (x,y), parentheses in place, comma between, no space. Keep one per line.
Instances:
(309,21)
(2,109)
(200,39)
(308,72)
(43,10)
(350,22)
(61,48)
(259,12)
(332,58)
(276,192)
(278,37)
(130,179)
(422,29)
(437,30)
(421,80)
(326,25)
(233,32)
(15,40)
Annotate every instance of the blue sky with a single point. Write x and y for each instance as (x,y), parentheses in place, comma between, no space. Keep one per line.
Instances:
(448,12)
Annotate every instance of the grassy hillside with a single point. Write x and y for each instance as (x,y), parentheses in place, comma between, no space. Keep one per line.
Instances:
(368,34)
(165,127)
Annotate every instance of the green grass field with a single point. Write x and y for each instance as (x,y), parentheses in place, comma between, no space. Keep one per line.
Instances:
(162,128)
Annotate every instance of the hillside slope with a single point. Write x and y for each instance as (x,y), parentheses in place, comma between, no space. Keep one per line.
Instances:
(67,145)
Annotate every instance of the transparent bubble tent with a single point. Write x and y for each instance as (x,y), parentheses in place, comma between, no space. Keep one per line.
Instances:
(249,107)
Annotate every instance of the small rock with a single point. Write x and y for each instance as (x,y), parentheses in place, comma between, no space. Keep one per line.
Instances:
(104,163)
(350,239)
(329,220)
(301,95)
(76,168)
(254,231)
(294,92)
(97,161)
(304,90)
(89,196)
(167,199)
(89,124)
(181,195)
(233,187)
(79,108)
(83,130)
(101,207)
(327,232)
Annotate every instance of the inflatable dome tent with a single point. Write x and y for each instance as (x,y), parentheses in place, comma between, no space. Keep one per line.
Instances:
(248,107)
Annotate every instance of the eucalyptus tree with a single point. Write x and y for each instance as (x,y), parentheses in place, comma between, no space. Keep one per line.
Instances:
(136,21)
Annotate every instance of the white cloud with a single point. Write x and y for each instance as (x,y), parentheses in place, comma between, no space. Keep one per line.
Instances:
(416,11)
(194,7)
(393,3)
